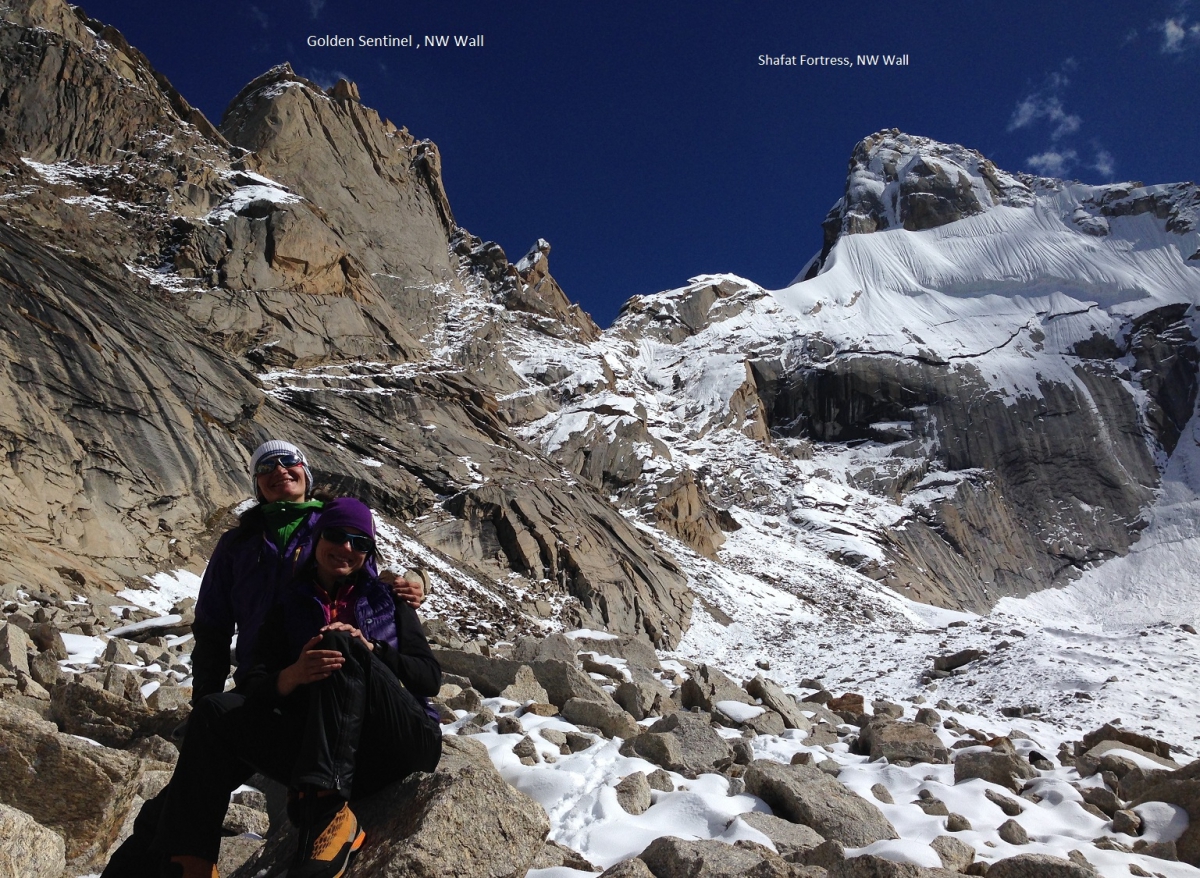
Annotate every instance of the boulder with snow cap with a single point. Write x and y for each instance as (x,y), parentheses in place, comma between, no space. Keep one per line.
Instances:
(766,723)
(903,743)
(1181,788)
(670,857)
(707,685)
(644,695)
(772,695)
(792,840)
(603,715)
(806,794)
(1120,757)
(1038,866)
(592,664)
(1000,767)
(1142,743)
(761,720)
(682,742)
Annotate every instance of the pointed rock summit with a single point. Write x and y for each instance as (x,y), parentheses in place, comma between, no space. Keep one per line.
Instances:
(539,293)
(379,188)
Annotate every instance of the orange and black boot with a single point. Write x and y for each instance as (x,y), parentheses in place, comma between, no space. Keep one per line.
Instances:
(329,835)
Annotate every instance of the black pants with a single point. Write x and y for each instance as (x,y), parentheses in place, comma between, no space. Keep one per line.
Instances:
(354,732)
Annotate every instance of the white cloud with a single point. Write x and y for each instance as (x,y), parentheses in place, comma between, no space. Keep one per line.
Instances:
(1173,35)
(1053,163)
(1037,107)
(1104,164)
(1067,124)
(1178,35)
(1046,104)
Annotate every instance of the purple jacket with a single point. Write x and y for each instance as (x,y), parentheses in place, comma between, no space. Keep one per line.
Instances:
(303,616)
(392,625)
(244,575)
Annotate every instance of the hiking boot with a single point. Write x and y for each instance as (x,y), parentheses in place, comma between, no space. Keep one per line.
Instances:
(329,837)
(189,867)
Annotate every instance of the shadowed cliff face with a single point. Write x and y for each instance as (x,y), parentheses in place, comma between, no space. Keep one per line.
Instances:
(1041,467)
(171,298)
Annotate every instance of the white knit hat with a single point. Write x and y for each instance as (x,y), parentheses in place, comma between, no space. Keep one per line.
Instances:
(271,448)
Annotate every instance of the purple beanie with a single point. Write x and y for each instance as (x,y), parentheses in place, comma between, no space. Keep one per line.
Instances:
(348,514)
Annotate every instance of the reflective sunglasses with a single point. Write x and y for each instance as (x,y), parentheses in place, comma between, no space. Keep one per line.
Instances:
(357,542)
(267,465)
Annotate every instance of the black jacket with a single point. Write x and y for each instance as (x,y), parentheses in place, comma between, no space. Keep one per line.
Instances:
(409,658)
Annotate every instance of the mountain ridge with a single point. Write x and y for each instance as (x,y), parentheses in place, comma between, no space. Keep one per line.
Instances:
(939,408)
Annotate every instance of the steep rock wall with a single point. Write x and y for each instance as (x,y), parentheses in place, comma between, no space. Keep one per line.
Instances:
(379,187)
(151,278)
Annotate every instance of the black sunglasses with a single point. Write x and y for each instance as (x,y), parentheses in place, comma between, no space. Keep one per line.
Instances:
(267,465)
(357,542)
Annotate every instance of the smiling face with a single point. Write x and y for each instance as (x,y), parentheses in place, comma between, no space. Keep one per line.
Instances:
(283,483)
(336,560)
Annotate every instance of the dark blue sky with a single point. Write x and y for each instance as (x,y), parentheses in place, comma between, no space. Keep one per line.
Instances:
(647,144)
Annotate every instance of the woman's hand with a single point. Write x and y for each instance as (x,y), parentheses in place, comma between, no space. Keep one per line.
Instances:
(411,591)
(313,665)
(351,630)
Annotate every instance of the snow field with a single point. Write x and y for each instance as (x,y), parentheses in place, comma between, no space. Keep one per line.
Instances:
(577,791)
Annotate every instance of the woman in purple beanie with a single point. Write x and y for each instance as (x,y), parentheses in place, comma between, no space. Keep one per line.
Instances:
(334,707)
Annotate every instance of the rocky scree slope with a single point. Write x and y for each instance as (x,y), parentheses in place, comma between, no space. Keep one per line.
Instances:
(174,294)
(593,753)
